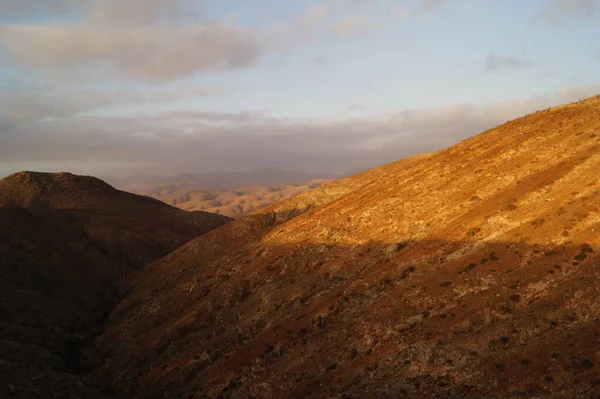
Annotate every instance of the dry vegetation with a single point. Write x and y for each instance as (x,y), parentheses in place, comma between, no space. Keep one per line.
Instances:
(472,272)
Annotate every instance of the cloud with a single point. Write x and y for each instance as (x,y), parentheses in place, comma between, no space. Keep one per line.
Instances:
(313,17)
(433,6)
(22,8)
(352,24)
(495,62)
(218,117)
(18,106)
(149,53)
(143,40)
(400,14)
(320,60)
(356,107)
(361,2)
(405,10)
(557,12)
(130,12)
(300,28)
(103,11)
(196,141)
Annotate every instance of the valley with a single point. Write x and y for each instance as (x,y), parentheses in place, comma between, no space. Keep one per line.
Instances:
(192,195)
(332,199)
(469,272)
(64,241)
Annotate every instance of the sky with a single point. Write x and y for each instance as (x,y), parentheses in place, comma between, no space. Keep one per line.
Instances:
(164,87)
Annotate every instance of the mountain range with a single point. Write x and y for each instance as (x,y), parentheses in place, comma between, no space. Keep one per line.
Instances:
(229,194)
(472,272)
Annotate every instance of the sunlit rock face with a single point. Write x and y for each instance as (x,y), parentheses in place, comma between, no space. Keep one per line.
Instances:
(471,272)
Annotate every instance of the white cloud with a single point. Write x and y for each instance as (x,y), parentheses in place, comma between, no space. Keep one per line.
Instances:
(145,40)
(151,53)
(432,6)
(306,25)
(131,12)
(356,107)
(104,11)
(401,13)
(352,24)
(320,60)
(205,141)
(18,106)
(23,8)
(557,12)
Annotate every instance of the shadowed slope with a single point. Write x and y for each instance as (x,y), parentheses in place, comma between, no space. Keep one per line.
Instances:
(64,240)
(465,273)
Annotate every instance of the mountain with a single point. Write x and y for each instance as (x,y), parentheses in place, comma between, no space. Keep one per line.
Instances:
(224,181)
(471,272)
(64,241)
(228,194)
(192,196)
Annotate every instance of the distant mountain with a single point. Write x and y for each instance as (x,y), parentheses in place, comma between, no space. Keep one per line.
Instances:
(470,272)
(229,194)
(234,203)
(221,181)
(64,241)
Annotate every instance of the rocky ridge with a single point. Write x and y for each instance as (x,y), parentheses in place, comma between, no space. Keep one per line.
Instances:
(466,273)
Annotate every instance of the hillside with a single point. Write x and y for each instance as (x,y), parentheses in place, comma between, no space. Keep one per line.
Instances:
(193,195)
(466,273)
(64,241)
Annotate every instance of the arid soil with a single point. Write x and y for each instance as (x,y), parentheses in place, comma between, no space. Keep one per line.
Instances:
(471,272)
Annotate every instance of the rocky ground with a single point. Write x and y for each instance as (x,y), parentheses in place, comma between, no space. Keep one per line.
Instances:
(472,272)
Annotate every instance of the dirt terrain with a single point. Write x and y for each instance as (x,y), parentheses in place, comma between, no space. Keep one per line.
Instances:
(471,272)
(64,241)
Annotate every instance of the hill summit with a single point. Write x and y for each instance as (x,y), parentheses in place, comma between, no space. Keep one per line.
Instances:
(57,191)
(64,241)
(471,272)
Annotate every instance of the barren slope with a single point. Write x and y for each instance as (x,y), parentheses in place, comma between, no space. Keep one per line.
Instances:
(64,240)
(470,272)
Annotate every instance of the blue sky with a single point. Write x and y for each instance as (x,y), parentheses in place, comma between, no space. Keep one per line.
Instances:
(170,86)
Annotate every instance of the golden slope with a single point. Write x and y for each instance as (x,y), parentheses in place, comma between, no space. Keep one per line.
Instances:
(466,273)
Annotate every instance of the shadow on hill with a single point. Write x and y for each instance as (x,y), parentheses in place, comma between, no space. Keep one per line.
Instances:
(430,318)
(57,270)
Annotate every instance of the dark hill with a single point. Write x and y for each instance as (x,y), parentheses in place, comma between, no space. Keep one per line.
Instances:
(64,241)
